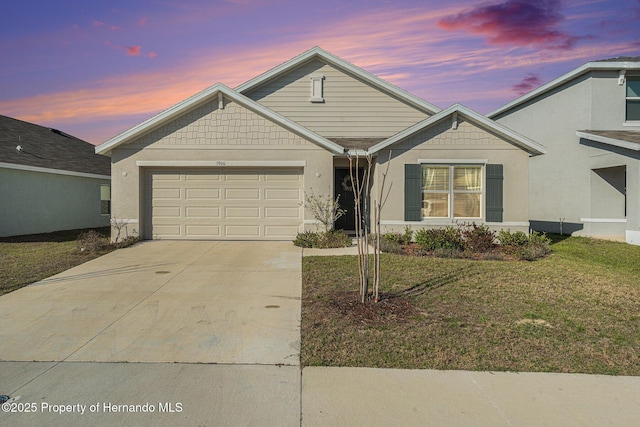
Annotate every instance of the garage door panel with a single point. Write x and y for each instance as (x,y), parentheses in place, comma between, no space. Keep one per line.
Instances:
(166,193)
(202,193)
(283,176)
(281,194)
(225,204)
(242,231)
(242,194)
(202,212)
(166,212)
(206,176)
(243,176)
(242,213)
(200,231)
(282,213)
(168,231)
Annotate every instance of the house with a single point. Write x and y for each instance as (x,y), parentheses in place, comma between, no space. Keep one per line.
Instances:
(50,181)
(589,182)
(237,163)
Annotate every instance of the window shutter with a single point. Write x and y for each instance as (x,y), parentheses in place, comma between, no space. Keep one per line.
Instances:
(494,194)
(412,192)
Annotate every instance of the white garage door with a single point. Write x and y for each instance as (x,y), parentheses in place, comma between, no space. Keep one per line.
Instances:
(225,204)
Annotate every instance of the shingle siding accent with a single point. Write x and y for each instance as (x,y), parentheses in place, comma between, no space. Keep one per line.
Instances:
(442,134)
(232,125)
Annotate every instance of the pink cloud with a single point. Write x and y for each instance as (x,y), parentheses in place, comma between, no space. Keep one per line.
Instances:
(527,84)
(133,50)
(515,22)
(102,24)
(152,54)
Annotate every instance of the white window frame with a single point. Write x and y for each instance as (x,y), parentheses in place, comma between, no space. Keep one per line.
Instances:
(627,122)
(452,192)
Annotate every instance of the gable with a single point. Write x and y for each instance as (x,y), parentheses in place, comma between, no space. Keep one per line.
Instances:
(209,125)
(465,136)
(352,106)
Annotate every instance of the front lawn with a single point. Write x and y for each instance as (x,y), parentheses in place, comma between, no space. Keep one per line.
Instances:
(577,310)
(27,259)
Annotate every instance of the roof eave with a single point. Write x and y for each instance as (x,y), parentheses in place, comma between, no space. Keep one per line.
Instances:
(340,63)
(523,142)
(609,141)
(174,111)
(583,69)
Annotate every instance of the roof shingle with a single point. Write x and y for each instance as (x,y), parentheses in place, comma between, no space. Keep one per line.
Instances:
(48,148)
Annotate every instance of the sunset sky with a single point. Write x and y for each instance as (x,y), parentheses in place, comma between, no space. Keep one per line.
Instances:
(94,68)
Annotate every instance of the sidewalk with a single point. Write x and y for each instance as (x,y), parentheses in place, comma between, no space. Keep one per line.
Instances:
(396,397)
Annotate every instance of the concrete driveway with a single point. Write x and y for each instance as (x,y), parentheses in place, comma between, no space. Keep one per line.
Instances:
(163,301)
(217,323)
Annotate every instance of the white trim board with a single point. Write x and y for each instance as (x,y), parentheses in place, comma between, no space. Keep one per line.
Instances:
(609,141)
(453,161)
(452,223)
(53,171)
(604,220)
(222,163)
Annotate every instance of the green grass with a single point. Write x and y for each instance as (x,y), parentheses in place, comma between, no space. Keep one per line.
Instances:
(577,310)
(28,259)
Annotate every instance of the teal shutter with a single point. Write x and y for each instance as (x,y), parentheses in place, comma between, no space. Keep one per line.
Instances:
(412,192)
(494,193)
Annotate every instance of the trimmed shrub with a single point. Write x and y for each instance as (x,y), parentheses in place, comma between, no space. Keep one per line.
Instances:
(308,239)
(477,238)
(126,242)
(392,237)
(443,238)
(391,246)
(516,239)
(92,241)
(334,239)
(525,248)
(407,235)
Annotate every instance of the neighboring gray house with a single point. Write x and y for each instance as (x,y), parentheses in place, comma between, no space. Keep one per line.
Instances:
(236,163)
(589,120)
(50,181)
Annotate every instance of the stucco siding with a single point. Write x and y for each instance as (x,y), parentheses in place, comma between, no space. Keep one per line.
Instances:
(558,180)
(36,202)
(467,142)
(562,182)
(351,107)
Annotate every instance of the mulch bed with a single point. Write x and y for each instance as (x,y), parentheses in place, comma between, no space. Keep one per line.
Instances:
(390,309)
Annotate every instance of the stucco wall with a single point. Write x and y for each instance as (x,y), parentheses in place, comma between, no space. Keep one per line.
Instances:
(561,181)
(36,202)
(467,142)
(212,135)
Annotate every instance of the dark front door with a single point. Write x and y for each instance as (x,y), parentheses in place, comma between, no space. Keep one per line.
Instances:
(343,188)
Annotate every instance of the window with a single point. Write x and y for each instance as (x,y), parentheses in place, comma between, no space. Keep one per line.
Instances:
(105,199)
(451,191)
(633,98)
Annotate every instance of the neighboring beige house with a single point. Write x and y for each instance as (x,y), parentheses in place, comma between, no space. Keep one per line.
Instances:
(50,181)
(236,163)
(589,118)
